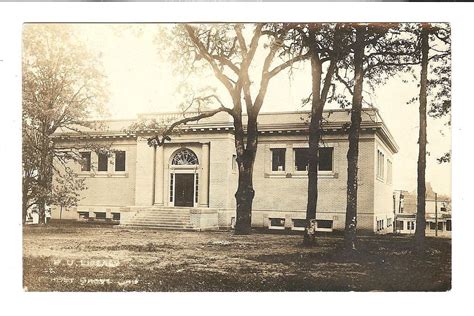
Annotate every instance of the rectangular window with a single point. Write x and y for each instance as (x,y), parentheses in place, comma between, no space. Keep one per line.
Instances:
(448,225)
(301,159)
(300,223)
(400,225)
(440,226)
(389,172)
(411,225)
(103,162)
(278,159)
(380,164)
(171,186)
(115,216)
(86,161)
(100,215)
(277,223)
(120,161)
(196,191)
(325,158)
(83,215)
(326,224)
(234,162)
(432,225)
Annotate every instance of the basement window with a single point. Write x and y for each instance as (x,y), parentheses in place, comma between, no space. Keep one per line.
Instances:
(277,223)
(324,225)
(115,216)
(299,224)
(83,215)
(100,215)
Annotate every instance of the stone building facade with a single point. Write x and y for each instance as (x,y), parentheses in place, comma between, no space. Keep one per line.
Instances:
(190,181)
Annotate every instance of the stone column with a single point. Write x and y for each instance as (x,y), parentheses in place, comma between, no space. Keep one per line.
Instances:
(159,176)
(144,173)
(204,177)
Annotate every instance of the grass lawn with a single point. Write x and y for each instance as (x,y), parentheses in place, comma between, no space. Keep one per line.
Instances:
(65,257)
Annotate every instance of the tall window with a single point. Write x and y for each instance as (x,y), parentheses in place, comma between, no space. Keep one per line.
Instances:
(380,164)
(325,159)
(278,159)
(389,172)
(234,162)
(103,162)
(448,225)
(120,161)
(86,161)
(171,186)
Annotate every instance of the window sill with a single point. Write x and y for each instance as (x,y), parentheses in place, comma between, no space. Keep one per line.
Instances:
(104,174)
(277,174)
(302,174)
(380,179)
(321,174)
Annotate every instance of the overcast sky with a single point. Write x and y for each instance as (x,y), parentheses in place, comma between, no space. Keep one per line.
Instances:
(140,79)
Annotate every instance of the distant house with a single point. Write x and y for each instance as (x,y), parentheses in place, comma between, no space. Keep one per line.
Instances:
(190,182)
(438,222)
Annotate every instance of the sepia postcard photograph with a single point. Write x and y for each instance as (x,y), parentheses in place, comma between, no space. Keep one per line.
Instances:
(236,157)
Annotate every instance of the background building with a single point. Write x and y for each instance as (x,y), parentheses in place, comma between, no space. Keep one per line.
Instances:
(437,209)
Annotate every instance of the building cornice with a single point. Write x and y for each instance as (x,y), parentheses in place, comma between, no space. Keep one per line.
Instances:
(299,127)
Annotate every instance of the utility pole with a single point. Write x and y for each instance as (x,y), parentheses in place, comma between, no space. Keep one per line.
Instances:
(436,214)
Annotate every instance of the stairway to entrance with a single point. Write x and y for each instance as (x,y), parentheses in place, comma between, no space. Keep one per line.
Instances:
(172,218)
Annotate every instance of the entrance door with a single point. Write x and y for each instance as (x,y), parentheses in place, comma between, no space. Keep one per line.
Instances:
(184,189)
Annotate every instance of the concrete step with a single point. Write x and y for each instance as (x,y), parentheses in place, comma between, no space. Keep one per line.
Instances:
(158,222)
(162,215)
(155,227)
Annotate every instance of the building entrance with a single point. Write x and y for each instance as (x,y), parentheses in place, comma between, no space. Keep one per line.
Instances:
(184,189)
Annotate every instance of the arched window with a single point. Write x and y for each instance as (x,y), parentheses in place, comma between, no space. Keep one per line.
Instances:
(184,157)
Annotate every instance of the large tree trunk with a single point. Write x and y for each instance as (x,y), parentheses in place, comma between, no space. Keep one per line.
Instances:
(421,189)
(353,152)
(313,152)
(245,160)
